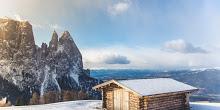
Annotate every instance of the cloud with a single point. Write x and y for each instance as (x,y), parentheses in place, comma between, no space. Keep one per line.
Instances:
(146,58)
(56,27)
(18,17)
(182,46)
(48,26)
(38,26)
(118,8)
(116,59)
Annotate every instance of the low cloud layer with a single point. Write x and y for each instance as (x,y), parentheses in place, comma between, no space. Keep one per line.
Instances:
(116,59)
(182,46)
(119,57)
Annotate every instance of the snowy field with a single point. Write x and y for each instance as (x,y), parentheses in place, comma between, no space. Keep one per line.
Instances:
(204,106)
(96,105)
(71,105)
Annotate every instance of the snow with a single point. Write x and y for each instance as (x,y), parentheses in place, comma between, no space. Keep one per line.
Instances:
(60,48)
(4,69)
(3,101)
(47,78)
(71,105)
(47,68)
(155,86)
(56,82)
(96,105)
(14,80)
(75,77)
(203,69)
(204,106)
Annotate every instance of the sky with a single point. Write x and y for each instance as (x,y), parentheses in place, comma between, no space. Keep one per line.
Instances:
(129,34)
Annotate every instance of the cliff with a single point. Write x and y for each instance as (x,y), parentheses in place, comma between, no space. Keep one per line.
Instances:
(54,70)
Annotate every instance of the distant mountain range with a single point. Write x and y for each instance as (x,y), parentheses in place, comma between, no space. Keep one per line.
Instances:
(207,80)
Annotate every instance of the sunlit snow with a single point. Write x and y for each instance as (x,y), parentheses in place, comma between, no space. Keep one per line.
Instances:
(96,105)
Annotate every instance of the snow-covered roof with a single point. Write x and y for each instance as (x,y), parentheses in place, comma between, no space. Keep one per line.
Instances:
(148,87)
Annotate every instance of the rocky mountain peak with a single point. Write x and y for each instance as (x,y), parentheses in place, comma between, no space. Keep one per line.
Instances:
(69,47)
(16,38)
(66,35)
(54,36)
(29,69)
(44,49)
(66,40)
(54,42)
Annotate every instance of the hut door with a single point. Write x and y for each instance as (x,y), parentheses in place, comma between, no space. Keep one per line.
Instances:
(125,100)
(117,99)
(121,100)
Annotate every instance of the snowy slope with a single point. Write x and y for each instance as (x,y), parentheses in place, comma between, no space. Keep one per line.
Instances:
(96,105)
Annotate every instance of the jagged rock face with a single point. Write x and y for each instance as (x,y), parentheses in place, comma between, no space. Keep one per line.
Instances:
(17,48)
(30,68)
(54,42)
(16,40)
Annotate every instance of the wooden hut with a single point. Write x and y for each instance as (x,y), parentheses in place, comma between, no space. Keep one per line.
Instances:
(145,94)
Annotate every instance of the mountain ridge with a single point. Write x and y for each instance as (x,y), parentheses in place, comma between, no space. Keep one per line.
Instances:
(207,80)
(55,69)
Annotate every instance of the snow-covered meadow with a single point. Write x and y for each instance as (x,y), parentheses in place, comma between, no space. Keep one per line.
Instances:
(204,106)
(96,105)
(70,105)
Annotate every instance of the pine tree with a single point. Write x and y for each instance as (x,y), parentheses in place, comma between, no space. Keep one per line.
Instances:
(51,97)
(19,102)
(67,96)
(35,99)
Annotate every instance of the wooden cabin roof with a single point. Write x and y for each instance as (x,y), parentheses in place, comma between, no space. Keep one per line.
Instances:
(149,87)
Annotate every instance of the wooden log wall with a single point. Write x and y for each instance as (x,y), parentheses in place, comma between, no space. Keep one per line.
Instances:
(165,102)
(134,101)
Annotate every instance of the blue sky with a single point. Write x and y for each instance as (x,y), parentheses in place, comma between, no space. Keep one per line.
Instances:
(181,33)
